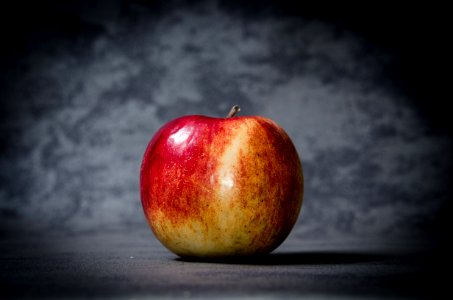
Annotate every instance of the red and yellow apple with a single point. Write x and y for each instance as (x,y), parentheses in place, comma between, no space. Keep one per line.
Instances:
(219,187)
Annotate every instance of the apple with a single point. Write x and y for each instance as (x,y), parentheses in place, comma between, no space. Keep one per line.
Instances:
(221,187)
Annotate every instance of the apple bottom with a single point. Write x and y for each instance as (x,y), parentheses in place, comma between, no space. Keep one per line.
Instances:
(226,229)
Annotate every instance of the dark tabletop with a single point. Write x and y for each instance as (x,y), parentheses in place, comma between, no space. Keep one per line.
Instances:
(135,265)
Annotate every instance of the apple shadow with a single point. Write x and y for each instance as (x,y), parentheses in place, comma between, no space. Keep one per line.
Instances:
(298,258)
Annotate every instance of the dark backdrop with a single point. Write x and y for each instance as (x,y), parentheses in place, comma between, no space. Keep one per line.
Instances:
(85,85)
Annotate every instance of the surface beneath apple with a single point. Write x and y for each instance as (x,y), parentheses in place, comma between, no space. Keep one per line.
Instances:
(134,266)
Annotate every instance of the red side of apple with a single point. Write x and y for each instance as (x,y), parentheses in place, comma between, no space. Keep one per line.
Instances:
(215,187)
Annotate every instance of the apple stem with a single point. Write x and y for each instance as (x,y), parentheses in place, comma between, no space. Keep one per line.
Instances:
(234,110)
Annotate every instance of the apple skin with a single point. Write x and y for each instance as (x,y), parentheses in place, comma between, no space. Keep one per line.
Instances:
(221,187)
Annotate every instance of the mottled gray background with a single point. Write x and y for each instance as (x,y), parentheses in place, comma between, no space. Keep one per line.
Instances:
(85,86)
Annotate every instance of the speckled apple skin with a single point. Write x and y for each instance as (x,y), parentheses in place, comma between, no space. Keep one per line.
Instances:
(219,187)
